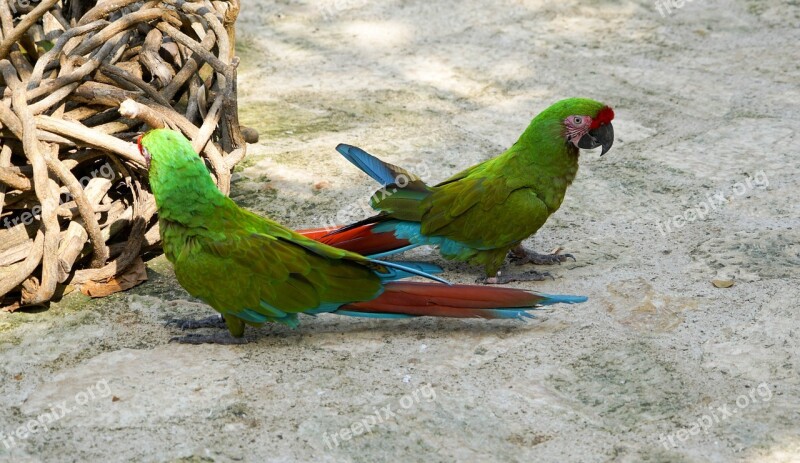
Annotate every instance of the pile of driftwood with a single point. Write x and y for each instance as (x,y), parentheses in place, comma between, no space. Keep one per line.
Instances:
(80,81)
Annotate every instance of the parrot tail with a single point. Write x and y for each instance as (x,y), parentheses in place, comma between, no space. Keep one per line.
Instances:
(316,233)
(375,236)
(413,299)
(361,238)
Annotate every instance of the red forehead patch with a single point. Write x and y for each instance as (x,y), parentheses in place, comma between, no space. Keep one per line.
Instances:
(605,116)
(139,143)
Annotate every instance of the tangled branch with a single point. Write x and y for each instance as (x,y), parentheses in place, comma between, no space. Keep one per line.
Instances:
(79,82)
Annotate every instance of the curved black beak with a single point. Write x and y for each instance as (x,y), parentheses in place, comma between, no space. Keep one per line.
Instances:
(601,136)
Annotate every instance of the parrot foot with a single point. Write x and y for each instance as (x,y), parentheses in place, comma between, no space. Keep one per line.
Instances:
(214,321)
(224,339)
(519,255)
(500,279)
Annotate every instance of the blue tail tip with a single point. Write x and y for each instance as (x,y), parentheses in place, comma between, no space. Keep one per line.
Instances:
(563,299)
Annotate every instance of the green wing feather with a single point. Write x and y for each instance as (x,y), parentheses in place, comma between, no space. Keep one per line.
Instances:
(465,208)
(260,271)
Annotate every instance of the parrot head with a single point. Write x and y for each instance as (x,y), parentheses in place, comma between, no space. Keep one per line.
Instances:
(164,148)
(590,132)
(176,171)
(583,123)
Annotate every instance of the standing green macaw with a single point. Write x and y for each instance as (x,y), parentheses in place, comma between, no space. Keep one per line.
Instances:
(253,270)
(482,213)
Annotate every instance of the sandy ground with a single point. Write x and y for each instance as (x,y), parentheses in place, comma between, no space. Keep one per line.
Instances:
(659,365)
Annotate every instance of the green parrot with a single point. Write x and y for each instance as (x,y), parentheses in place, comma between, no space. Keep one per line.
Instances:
(484,212)
(253,270)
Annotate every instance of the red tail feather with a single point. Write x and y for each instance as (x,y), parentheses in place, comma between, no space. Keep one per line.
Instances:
(360,239)
(459,301)
(316,233)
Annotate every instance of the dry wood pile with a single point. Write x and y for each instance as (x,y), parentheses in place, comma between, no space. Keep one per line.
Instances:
(80,81)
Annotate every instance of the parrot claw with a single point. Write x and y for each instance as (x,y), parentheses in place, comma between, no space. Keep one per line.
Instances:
(214,321)
(208,339)
(520,256)
(504,279)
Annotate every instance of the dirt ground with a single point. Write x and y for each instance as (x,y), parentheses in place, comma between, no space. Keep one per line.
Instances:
(658,366)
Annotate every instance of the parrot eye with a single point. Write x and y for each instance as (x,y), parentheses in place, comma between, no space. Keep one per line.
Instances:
(578,120)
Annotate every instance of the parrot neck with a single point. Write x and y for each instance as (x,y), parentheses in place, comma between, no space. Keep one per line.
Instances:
(554,164)
(185,192)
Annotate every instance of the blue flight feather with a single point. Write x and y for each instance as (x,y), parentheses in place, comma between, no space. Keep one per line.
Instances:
(271,311)
(329,307)
(562,299)
(412,268)
(250,315)
(394,274)
(368,163)
(381,255)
